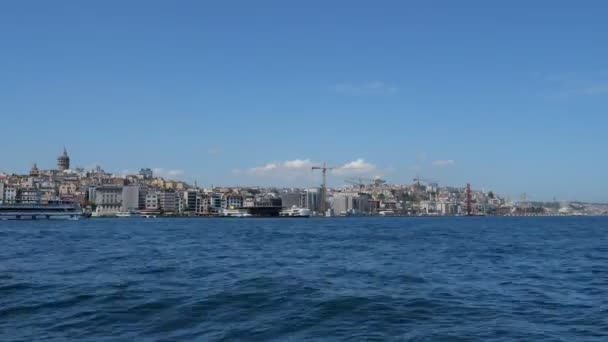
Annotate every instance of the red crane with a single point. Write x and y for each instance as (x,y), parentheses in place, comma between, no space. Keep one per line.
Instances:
(468,193)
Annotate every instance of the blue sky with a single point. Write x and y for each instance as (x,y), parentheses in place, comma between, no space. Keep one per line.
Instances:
(510,97)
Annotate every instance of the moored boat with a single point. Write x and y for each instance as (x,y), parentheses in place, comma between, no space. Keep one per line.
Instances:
(234,213)
(295,212)
(126,214)
(39,211)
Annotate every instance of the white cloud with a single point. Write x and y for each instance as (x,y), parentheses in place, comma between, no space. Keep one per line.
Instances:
(264,169)
(167,173)
(366,88)
(302,169)
(568,84)
(594,90)
(288,166)
(214,151)
(359,166)
(298,164)
(443,163)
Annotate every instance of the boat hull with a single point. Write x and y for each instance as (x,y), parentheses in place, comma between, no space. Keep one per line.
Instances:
(33,211)
(39,216)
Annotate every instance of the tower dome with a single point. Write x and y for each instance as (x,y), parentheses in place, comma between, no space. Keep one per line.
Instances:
(34,172)
(63,161)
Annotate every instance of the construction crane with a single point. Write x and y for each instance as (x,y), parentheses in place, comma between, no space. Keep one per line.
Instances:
(323,169)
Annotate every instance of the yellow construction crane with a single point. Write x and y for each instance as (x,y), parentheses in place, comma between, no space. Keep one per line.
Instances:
(323,169)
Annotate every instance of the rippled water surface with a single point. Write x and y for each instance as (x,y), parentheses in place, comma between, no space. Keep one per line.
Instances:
(421,279)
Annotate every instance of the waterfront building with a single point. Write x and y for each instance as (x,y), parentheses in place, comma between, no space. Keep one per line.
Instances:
(130,197)
(30,196)
(428,208)
(191,200)
(63,161)
(1,192)
(152,201)
(268,202)
(143,192)
(168,201)
(10,194)
(349,203)
(312,199)
(249,202)
(232,201)
(91,194)
(108,200)
(292,199)
(215,202)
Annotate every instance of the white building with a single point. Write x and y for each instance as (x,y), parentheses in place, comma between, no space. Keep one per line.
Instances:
(108,200)
(168,201)
(67,188)
(249,202)
(29,196)
(130,198)
(349,203)
(232,201)
(215,202)
(152,201)
(10,194)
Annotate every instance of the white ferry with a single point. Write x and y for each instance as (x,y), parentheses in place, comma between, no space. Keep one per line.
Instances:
(295,212)
(130,213)
(234,213)
(38,211)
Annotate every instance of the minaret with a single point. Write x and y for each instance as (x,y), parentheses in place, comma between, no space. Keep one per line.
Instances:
(34,172)
(63,161)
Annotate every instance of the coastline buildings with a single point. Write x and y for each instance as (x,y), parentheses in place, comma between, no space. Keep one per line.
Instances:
(105,194)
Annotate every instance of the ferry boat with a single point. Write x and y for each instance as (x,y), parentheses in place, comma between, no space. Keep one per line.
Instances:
(130,213)
(38,211)
(295,212)
(234,213)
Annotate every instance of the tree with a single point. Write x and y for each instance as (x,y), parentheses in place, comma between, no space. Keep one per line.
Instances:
(491,194)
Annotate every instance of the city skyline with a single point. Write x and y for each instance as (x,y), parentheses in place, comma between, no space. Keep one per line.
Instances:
(507,98)
(292,172)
